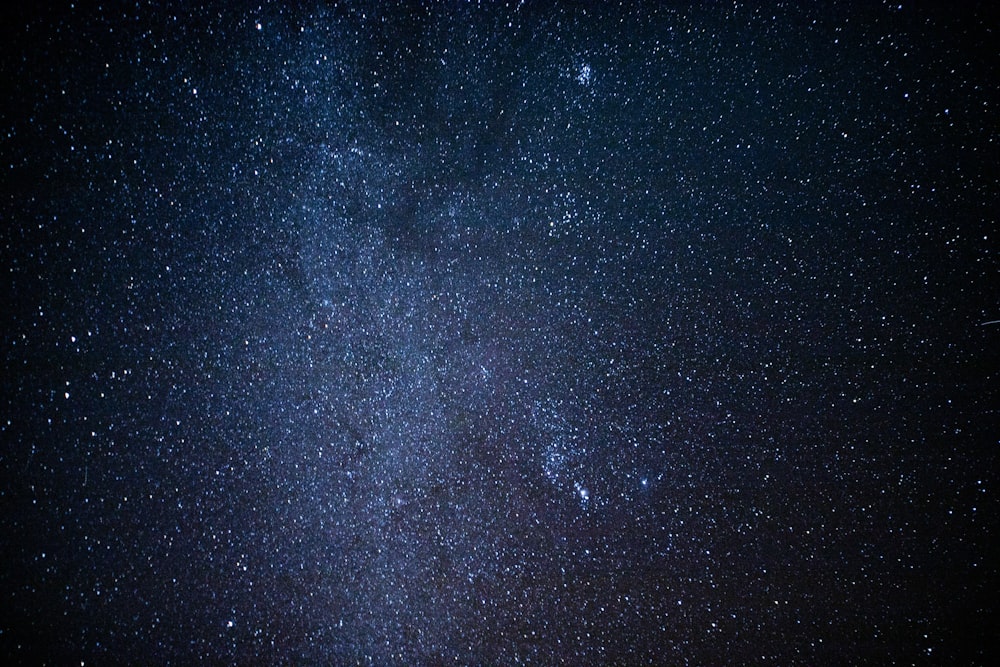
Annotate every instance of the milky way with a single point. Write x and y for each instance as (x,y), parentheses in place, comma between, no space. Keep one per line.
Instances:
(555,334)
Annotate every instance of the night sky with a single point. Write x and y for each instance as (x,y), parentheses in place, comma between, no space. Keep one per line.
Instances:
(522,333)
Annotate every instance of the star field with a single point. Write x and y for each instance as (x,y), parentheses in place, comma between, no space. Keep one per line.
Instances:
(419,333)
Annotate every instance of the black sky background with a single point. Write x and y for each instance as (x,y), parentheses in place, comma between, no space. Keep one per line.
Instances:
(555,333)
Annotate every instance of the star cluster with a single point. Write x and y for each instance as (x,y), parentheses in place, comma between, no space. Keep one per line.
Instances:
(398,333)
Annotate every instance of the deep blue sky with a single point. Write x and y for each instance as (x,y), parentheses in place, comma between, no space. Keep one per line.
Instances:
(525,332)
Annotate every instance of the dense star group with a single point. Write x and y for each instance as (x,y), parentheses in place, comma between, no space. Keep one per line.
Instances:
(395,333)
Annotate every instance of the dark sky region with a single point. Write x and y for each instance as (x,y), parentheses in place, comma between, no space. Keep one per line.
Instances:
(526,332)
